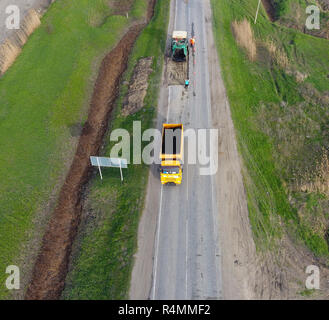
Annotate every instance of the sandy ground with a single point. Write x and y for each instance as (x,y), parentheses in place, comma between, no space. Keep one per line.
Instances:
(24,6)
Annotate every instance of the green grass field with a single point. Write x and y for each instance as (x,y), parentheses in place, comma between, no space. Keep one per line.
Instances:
(279,108)
(44,99)
(103,257)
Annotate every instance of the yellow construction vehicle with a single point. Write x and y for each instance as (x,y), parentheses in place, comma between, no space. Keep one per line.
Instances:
(171,155)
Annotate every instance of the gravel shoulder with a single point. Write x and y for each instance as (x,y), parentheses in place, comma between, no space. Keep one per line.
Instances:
(237,245)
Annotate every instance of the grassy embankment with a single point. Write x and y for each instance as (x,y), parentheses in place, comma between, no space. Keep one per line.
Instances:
(44,98)
(292,13)
(279,100)
(103,259)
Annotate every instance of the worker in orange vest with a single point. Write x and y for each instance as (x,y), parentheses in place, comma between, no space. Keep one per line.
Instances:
(192,42)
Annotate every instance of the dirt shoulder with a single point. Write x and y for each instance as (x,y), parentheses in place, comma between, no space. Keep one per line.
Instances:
(237,245)
(277,271)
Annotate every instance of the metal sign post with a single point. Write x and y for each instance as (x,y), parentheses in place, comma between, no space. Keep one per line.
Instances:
(110,163)
(99,168)
(257,12)
(121,172)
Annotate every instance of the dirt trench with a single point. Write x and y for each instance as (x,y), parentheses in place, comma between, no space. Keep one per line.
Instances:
(269,8)
(51,267)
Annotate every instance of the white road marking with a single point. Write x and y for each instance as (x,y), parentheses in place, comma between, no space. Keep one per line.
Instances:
(186,174)
(157,245)
(187,193)
(169,101)
(160,213)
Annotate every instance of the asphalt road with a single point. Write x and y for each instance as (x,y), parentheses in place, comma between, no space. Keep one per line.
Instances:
(195,240)
(187,254)
(24,6)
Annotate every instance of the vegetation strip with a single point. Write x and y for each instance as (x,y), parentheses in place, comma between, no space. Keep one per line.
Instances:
(277,84)
(44,101)
(103,254)
(52,262)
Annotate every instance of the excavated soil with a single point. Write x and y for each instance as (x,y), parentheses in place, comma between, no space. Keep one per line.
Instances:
(51,266)
(137,90)
(177,72)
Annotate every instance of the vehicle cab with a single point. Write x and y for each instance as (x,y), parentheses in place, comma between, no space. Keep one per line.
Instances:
(171,172)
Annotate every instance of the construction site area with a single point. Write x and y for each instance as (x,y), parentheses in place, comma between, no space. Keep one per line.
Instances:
(239,87)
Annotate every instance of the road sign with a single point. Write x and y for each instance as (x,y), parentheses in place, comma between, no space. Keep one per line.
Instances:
(110,163)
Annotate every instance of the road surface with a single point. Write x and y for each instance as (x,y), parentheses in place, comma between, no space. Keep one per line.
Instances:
(195,240)
(186,262)
(187,254)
